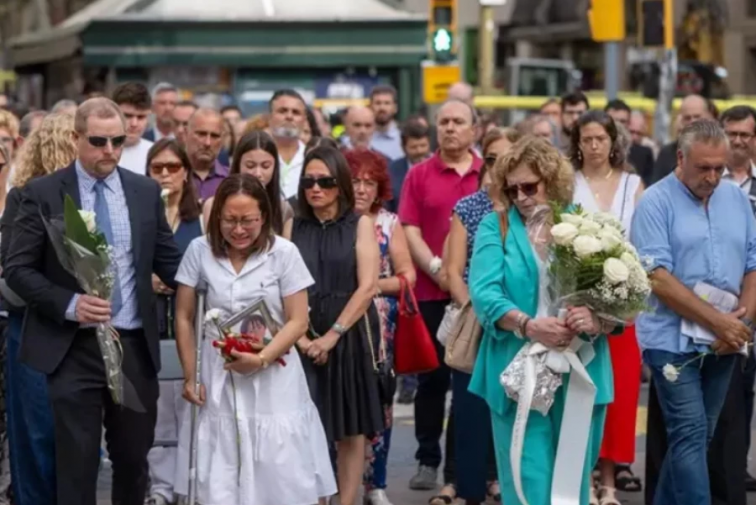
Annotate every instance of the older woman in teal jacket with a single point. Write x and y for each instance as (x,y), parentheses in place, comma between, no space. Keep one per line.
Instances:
(508,288)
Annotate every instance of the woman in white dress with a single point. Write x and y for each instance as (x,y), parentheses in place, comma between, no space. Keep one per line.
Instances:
(281,455)
(604,183)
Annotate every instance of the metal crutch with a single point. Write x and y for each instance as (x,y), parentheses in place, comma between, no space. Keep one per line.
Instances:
(199,327)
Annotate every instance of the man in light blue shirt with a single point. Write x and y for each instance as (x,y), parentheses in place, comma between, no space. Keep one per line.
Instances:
(693,229)
(387,137)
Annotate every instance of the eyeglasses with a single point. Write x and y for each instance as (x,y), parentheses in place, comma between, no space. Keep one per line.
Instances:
(98,141)
(246,223)
(322,182)
(157,168)
(527,188)
(6,140)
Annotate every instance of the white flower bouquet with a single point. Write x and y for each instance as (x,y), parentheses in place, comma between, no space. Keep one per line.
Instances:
(83,251)
(592,264)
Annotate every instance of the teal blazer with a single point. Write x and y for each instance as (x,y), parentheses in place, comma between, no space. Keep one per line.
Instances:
(503,279)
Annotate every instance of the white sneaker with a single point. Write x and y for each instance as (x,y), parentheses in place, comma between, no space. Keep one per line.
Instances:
(156,499)
(377,497)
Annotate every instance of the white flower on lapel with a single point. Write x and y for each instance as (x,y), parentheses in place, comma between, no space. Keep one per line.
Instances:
(89,220)
(164,194)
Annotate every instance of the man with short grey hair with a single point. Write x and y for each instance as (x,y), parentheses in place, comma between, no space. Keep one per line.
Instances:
(164,100)
(30,122)
(699,238)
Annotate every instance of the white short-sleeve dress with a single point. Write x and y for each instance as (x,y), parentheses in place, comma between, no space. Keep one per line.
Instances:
(284,453)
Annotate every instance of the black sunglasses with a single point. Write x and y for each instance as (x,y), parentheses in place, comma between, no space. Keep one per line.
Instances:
(490,161)
(528,189)
(322,182)
(97,141)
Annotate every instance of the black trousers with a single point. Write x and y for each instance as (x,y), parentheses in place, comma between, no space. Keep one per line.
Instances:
(728,453)
(81,404)
(430,401)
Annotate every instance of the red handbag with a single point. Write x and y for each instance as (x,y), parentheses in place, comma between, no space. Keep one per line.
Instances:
(414,350)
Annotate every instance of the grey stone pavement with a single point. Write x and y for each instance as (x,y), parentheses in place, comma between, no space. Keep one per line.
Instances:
(402,461)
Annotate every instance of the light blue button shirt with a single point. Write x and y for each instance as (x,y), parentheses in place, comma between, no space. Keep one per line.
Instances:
(675,231)
(388,143)
(128,317)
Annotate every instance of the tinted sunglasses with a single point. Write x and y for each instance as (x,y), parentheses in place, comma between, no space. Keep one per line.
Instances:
(157,168)
(97,141)
(490,160)
(322,182)
(528,189)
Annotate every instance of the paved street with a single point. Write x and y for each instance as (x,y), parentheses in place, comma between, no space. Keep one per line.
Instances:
(402,463)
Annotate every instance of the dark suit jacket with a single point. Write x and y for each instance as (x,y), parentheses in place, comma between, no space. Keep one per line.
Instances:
(149,134)
(397,173)
(665,163)
(642,159)
(34,273)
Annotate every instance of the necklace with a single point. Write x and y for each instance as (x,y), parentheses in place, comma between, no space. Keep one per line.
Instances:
(608,176)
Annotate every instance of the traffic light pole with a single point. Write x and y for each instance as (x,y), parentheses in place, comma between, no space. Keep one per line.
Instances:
(611,69)
(487,49)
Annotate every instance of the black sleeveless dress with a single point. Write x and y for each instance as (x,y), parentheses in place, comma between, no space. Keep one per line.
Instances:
(345,389)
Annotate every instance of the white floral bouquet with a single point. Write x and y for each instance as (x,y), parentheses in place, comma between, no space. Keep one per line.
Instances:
(592,264)
(84,252)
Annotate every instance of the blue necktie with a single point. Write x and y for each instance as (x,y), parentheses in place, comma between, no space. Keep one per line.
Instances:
(102,219)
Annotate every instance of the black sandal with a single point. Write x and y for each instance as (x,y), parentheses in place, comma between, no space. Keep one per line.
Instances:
(444,499)
(625,480)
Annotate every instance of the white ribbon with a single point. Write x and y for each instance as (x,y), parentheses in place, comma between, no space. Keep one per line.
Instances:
(576,420)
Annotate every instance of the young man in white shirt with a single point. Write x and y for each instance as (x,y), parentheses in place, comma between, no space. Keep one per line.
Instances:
(135,104)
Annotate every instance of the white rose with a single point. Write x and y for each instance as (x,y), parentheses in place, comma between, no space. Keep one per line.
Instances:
(165,193)
(212,315)
(609,239)
(585,245)
(564,233)
(671,373)
(590,228)
(615,271)
(572,219)
(629,260)
(89,220)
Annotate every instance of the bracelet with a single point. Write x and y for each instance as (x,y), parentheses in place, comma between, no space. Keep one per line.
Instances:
(263,359)
(522,321)
(339,329)
(524,329)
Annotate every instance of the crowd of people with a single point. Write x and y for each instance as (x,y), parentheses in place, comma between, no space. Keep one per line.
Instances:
(326,233)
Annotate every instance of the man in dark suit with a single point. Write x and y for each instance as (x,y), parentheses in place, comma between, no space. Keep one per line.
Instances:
(164,101)
(59,335)
(416,147)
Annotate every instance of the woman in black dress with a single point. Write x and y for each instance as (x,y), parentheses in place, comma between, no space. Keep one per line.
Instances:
(340,250)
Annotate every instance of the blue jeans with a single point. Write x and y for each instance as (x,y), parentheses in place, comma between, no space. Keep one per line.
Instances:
(31,432)
(690,407)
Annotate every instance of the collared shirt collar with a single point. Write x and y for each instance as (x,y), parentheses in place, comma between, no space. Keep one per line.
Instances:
(87,182)
(219,170)
(728,175)
(392,132)
(476,165)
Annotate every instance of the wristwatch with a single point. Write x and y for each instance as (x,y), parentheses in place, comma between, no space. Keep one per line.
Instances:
(435,265)
(339,329)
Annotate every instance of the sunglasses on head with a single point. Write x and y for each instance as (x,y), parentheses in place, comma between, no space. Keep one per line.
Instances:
(97,141)
(322,182)
(527,188)
(157,168)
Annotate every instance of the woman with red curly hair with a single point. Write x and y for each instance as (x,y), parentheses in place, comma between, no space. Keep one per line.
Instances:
(372,188)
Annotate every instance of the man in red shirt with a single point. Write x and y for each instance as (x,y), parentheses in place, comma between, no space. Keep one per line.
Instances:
(431,190)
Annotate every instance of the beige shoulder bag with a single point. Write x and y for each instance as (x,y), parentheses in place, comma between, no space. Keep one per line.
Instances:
(464,338)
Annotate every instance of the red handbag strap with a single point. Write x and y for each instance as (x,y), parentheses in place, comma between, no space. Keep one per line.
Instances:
(405,287)
(402,289)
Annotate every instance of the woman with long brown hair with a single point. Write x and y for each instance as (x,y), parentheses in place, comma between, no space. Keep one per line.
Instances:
(168,164)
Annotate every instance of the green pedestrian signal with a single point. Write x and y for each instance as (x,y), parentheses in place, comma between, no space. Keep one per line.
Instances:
(442,42)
